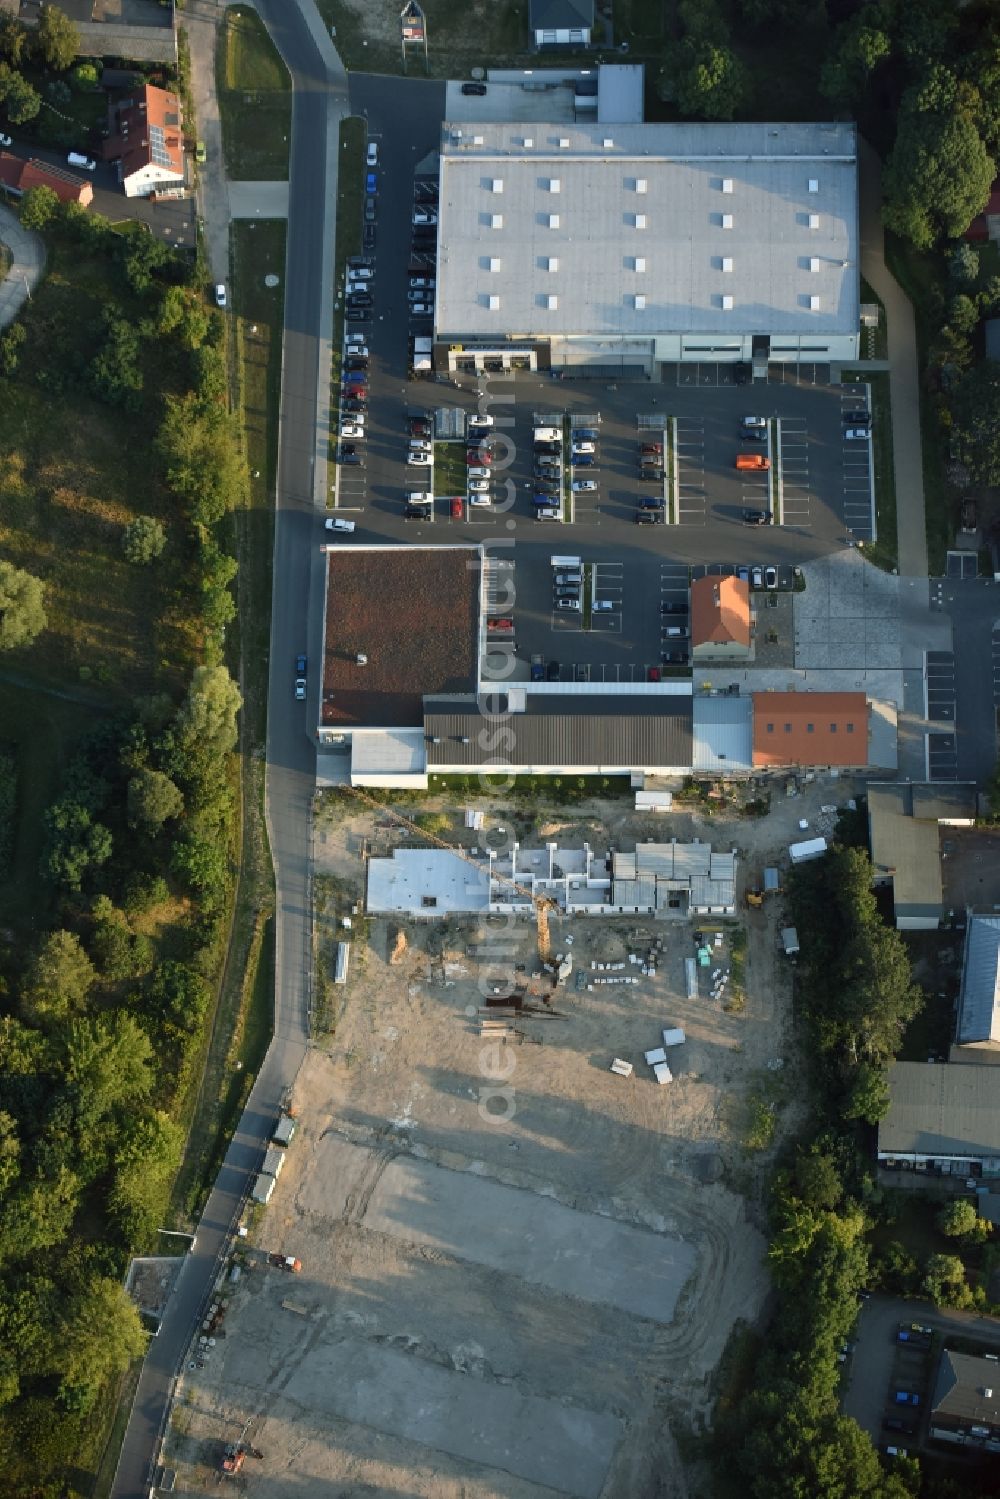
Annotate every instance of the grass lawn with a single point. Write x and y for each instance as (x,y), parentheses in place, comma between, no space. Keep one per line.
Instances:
(461,34)
(450,469)
(254,99)
(350,192)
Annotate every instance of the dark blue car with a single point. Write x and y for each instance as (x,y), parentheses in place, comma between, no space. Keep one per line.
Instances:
(371,183)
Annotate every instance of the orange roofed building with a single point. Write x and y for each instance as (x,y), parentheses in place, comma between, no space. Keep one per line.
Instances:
(147,141)
(720,619)
(20,176)
(810,728)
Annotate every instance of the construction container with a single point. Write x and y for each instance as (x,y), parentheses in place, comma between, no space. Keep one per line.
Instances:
(283,1130)
(274,1161)
(263,1187)
(343,958)
(663,1073)
(810,848)
(789,941)
(674,1037)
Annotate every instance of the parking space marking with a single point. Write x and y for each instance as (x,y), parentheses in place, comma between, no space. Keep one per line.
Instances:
(996,664)
(689,456)
(607,584)
(858,489)
(793,442)
(939,689)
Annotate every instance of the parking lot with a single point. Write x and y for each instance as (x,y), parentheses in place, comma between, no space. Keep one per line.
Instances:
(817,490)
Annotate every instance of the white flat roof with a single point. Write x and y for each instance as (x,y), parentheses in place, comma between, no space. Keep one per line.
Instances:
(679,182)
(427,882)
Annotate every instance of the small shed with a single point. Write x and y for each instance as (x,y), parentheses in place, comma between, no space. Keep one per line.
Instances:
(343,959)
(262,1189)
(274,1161)
(772,882)
(674,1037)
(789,941)
(284,1130)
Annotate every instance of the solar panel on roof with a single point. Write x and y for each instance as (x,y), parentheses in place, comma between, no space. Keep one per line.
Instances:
(158,146)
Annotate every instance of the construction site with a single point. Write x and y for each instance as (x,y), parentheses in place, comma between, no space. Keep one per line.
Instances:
(521,1212)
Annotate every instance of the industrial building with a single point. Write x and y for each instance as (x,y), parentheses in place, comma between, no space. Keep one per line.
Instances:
(624,247)
(904,822)
(979,997)
(943,1119)
(669,880)
(810,729)
(965,1407)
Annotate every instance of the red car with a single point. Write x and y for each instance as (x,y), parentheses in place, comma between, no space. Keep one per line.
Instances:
(475,456)
(653,675)
(419,427)
(456,509)
(503,625)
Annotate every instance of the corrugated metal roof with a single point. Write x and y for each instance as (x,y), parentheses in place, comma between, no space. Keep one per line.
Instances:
(937,1109)
(653,194)
(905,845)
(632,733)
(722,733)
(979,1002)
(706,892)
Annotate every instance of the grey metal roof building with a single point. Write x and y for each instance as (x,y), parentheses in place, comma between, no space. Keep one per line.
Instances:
(560,733)
(722,734)
(687,240)
(941,1116)
(967,1392)
(658,875)
(979,998)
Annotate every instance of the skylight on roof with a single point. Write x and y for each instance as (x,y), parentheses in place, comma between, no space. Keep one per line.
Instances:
(727,304)
(551,302)
(814,184)
(727,184)
(496,220)
(639,263)
(555,186)
(553,221)
(727,264)
(727,221)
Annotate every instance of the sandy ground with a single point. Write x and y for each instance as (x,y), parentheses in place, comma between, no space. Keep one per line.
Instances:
(518,1268)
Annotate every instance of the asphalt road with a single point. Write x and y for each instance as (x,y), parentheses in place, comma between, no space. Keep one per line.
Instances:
(319,101)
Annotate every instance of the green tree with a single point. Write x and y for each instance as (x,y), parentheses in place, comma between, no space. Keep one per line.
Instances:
(183,313)
(868,1098)
(705,78)
(13,39)
(38,207)
(119,952)
(203,463)
(938,174)
(22,607)
(115,372)
(207,720)
(100,1333)
(20,101)
(963,314)
(10,1154)
(143,256)
(86,77)
(57,981)
(896,1269)
(963,263)
(817,1179)
(944,1281)
(57,40)
(976,410)
(153,799)
(859,46)
(11,344)
(958,1219)
(144,1166)
(144,539)
(75,844)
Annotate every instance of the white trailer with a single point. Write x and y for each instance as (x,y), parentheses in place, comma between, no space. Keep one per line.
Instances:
(343,958)
(811,848)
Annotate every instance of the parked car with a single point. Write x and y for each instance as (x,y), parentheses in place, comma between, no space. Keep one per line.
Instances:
(674,658)
(371,182)
(5,140)
(419,497)
(537,669)
(424,217)
(422,309)
(360,273)
(856,434)
(352,429)
(648,517)
(474,88)
(358,314)
(354,403)
(770,577)
(479,486)
(456,509)
(650,450)
(300,666)
(502,626)
(369,237)
(913,1339)
(583,486)
(477,418)
(672,607)
(420,459)
(922,1327)
(415,512)
(602,606)
(757,578)
(220,295)
(478,473)
(572,604)
(77,159)
(420,427)
(421,445)
(371,155)
(348,453)
(859,418)
(480,455)
(585,434)
(583,447)
(906,1397)
(896,1451)
(548,434)
(339,524)
(552,672)
(753,434)
(369,210)
(755,517)
(547,513)
(651,475)
(970,520)
(650,502)
(754,421)
(584,460)
(553,448)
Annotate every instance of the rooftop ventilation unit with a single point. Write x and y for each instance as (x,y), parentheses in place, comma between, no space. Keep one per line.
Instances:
(564,143)
(496,220)
(494,262)
(727,264)
(551,302)
(553,221)
(727,221)
(553,263)
(814,263)
(608,143)
(641,185)
(814,184)
(528,142)
(727,304)
(814,221)
(477,140)
(639,264)
(814,304)
(727,184)
(640,221)
(497,185)
(494,302)
(640,302)
(555,186)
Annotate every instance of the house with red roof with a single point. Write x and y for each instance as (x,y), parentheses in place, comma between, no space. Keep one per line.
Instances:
(19,176)
(147,141)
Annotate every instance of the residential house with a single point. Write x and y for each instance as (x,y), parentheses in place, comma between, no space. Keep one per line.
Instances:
(147,141)
(720,619)
(561,23)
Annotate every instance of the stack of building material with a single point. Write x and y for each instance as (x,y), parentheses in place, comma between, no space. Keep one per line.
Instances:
(620,1068)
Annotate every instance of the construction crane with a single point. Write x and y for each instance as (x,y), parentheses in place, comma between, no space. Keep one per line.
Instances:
(542,904)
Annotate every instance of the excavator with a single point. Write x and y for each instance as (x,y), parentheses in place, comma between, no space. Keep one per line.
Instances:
(543,904)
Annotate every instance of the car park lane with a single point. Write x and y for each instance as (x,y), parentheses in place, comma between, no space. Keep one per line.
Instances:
(689,454)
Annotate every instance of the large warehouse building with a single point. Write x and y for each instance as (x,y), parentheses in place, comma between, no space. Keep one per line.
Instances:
(628,246)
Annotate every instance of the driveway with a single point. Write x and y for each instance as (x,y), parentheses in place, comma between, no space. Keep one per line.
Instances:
(28,253)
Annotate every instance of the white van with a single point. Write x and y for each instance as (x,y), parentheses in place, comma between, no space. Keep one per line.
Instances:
(339,525)
(77,159)
(419,497)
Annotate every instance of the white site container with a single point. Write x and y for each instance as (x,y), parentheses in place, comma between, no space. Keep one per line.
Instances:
(663,1073)
(675,1037)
